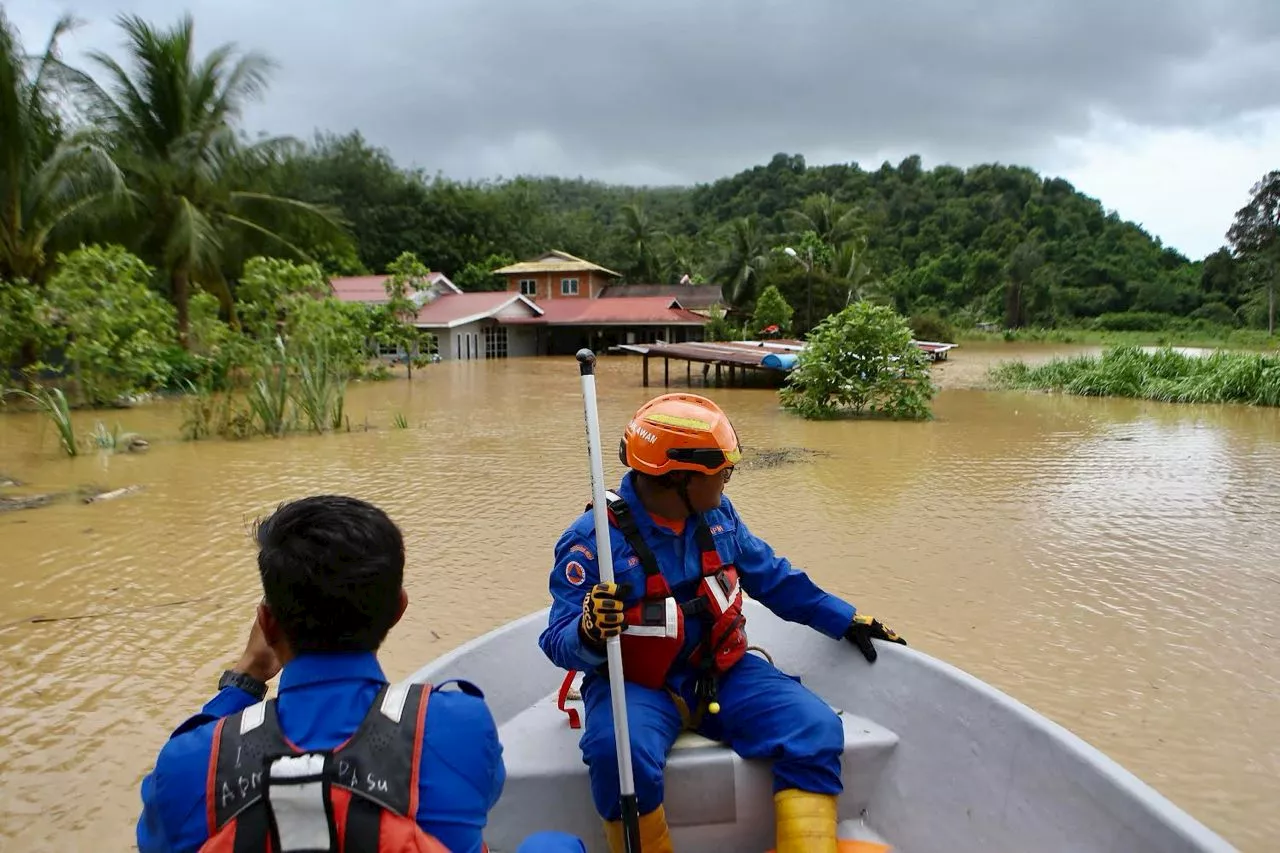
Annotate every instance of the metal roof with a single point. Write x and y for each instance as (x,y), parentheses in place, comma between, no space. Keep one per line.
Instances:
(621,311)
(371,289)
(554,261)
(458,309)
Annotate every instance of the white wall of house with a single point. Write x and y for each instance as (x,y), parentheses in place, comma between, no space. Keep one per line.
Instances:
(521,341)
(486,339)
(461,343)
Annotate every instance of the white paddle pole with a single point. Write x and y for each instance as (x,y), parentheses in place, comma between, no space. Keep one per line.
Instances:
(613,647)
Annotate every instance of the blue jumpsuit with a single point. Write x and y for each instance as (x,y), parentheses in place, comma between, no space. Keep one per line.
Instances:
(765,713)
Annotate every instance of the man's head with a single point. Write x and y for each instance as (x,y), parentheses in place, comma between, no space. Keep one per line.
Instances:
(684,443)
(332,572)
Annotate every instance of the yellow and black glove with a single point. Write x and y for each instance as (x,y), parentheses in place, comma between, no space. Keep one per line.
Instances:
(865,628)
(602,615)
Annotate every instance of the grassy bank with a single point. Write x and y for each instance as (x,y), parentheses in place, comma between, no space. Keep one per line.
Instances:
(1205,337)
(1221,377)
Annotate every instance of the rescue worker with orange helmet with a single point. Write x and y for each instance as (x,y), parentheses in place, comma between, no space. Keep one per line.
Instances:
(682,558)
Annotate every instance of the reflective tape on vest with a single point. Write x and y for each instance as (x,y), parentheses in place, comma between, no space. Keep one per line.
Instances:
(670,628)
(723,601)
(297,802)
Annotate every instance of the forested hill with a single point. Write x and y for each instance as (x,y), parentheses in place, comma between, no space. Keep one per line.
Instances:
(992,242)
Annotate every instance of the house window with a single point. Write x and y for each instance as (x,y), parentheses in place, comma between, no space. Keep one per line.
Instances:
(495,341)
(568,287)
(528,287)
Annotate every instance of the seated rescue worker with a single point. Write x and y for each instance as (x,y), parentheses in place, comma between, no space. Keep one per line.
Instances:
(682,557)
(341,759)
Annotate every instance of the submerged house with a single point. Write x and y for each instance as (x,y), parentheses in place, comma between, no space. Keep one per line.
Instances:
(554,304)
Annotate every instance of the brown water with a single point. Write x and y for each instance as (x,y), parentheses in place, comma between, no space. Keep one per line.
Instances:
(1112,563)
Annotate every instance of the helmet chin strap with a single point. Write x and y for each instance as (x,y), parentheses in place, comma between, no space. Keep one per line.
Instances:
(682,489)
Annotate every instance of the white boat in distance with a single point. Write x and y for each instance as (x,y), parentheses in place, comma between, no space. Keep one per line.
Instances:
(935,760)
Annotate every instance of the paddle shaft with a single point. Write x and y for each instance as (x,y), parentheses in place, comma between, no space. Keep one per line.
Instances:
(613,646)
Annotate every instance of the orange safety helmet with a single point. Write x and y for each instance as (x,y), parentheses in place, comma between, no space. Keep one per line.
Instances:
(679,432)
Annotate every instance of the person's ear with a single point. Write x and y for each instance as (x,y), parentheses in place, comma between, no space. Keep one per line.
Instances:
(270,626)
(404,604)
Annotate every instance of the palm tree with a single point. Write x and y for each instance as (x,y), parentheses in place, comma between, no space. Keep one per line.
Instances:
(834,222)
(641,237)
(745,258)
(191,180)
(47,179)
(851,265)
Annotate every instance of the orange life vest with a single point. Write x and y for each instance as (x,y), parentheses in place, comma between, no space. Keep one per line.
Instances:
(266,795)
(654,635)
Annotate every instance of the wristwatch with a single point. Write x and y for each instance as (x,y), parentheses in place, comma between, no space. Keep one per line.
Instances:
(255,688)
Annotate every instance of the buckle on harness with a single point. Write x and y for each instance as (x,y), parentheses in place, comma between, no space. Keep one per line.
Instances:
(694,607)
(653,612)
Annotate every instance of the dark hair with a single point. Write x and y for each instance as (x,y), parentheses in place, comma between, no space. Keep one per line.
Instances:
(332,568)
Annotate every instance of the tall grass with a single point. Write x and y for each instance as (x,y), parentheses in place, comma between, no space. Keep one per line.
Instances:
(268,396)
(53,403)
(320,390)
(1165,375)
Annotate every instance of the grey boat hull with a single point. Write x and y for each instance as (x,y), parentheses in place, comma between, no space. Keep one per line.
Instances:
(936,761)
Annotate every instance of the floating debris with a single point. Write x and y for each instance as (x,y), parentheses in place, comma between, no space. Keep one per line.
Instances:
(91,494)
(12,502)
(84,494)
(776,456)
(7,481)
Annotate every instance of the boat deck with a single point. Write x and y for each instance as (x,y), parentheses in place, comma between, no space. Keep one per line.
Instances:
(715,800)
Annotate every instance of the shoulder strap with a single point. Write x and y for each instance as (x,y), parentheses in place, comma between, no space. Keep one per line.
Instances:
(381,760)
(242,744)
(620,515)
(711,562)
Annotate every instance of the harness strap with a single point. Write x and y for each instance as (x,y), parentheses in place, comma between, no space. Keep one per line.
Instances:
(574,721)
(626,523)
(711,562)
(364,825)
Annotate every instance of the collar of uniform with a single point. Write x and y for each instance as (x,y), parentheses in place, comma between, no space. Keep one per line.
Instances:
(317,668)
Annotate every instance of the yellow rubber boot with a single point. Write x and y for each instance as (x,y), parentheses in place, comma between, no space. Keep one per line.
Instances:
(806,822)
(654,836)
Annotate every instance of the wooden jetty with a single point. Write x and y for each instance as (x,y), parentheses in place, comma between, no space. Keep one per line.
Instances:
(732,359)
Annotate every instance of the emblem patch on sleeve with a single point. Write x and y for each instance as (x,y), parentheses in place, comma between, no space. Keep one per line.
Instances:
(574,573)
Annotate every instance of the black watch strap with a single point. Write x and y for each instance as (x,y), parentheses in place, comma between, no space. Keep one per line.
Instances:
(255,688)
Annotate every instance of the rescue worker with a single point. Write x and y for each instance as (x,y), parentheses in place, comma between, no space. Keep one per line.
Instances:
(398,767)
(682,557)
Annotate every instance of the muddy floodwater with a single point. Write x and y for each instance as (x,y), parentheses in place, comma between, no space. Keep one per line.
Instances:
(1114,564)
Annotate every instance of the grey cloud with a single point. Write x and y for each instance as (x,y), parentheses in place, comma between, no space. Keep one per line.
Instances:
(676,89)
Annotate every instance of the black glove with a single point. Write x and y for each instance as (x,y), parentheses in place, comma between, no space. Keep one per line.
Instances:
(863,629)
(602,615)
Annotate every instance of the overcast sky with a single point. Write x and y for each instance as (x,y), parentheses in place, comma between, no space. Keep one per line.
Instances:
(1165,110)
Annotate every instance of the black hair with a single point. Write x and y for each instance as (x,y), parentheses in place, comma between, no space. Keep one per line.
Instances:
(332,569)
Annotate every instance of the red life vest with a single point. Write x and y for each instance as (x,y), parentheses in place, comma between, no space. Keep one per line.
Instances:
(654,635)
(266,795)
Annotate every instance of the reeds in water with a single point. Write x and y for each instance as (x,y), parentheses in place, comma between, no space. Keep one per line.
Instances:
(320,389)
(53,403)
(1165,375)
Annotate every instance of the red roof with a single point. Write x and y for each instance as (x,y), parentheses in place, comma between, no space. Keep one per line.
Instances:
(455,309)
(372,288)
(616,311)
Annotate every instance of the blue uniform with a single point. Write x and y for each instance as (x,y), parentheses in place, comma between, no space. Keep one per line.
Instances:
(764,712)
(321,701)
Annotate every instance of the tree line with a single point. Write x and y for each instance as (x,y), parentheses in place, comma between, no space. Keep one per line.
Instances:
(148,155)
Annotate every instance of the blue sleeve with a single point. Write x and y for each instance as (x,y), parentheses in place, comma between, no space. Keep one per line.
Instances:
(786,590)
(173,793)
(462,773)
(576,571)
